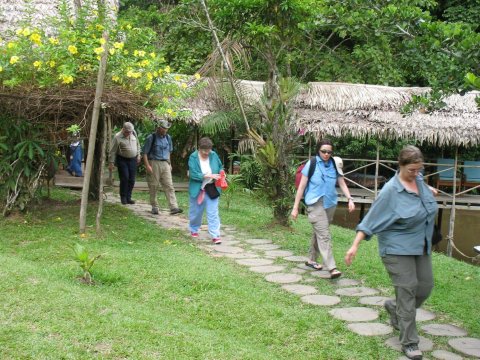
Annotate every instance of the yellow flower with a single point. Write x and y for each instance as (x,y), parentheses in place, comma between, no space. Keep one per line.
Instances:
(19,31)
(174,114)
(118,45)
(184,85)
(53,41)
(102,41)
(144,63)
(26,32)
(72,49)
(149,76)
(153,55)
(167,69)
(37,64)
(148,86)
(11,45)
(197,76)
(98,50)
(66,79)
(125,52)
(116,78)
(99,27)
(36,38)
(133,74)
(52,63)
(169,111)
(129,26)
(83,40)
(1,68)
(14,59)
(111,51)
(155,73)
(177,78)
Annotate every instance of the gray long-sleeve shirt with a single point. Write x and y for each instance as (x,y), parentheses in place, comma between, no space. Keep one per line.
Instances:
(402,220)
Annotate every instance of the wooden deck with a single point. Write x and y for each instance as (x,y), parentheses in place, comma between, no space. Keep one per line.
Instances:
(64,179)
(463,202)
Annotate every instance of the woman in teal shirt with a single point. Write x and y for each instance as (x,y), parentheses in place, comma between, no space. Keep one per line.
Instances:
(403,216)
(204,167)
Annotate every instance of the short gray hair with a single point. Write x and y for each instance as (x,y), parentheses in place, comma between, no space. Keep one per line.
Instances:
(128,126)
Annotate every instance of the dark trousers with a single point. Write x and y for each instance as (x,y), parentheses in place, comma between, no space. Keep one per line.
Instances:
(127,169)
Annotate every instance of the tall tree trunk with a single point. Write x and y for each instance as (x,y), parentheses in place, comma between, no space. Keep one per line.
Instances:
(101,172)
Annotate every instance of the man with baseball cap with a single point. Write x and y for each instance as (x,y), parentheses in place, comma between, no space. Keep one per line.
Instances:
(156,157)
(125,154)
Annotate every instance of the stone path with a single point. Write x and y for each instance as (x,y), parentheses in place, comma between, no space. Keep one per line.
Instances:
(289,271)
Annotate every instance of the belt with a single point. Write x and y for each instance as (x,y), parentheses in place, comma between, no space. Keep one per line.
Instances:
(158,159)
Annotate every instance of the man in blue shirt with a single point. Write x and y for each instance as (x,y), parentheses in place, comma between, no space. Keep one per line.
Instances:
(156,157)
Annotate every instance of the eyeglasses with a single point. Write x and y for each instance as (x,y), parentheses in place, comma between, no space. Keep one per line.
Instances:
(329,152)
(416,171)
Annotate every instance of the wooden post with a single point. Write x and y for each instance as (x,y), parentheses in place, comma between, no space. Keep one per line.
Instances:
(93,134)
(451,226)
(102,176)
(377,166)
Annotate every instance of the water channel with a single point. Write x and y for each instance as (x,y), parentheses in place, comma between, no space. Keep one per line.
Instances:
(466,231)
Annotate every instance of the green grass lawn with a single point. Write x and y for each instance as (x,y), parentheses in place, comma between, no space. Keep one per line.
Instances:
(157,296)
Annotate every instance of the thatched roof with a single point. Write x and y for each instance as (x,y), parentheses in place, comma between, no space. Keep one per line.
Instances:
(57,108)
(339,109)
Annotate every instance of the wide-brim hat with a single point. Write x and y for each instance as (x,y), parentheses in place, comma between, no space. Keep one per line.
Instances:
(338,164)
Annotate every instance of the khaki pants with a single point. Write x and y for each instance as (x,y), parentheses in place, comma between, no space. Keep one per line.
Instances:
(321,243)
(162,175)
(412,278)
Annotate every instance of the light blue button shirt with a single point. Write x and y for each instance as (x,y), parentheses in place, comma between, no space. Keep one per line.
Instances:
(402,220)
(322,184)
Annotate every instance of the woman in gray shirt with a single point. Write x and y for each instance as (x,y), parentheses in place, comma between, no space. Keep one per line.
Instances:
(403,216)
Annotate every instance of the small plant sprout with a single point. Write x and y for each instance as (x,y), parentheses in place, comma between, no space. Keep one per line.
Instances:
(85,261)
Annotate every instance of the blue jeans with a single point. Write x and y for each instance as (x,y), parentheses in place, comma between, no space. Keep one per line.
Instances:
(196,213)
(127,169)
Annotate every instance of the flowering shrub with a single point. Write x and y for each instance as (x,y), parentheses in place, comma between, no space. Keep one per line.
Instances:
(30,56)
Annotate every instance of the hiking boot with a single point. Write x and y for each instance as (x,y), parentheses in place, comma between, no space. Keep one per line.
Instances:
(392,311)
(130,201)
(216,241)
(154,210)
(124,201)
(176,211)
(412,352)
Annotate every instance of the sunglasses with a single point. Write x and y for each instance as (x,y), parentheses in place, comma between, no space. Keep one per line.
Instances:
(329,152)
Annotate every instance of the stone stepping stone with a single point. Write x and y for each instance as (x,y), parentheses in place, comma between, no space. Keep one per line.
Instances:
(266,247)
(424,315)
(310,280)
(346,282)
(374,300)
(283,278)
(445,355)
(354,314)
(227,249)
(322,300)
(444,330)
(370,329)
(258,241)
(323,274)
(467,346)
(299,289)
(298,271)
(244,255)
(267,269)
(278,253)
(295,258)
(356,291)
(254,262)
(230,242)
(424,344)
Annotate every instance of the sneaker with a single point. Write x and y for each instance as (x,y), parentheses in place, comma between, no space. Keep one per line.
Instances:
(131,202)
(392,311)
(412,352)
(216,241)
(194,234)
(154,210)
(176,211)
